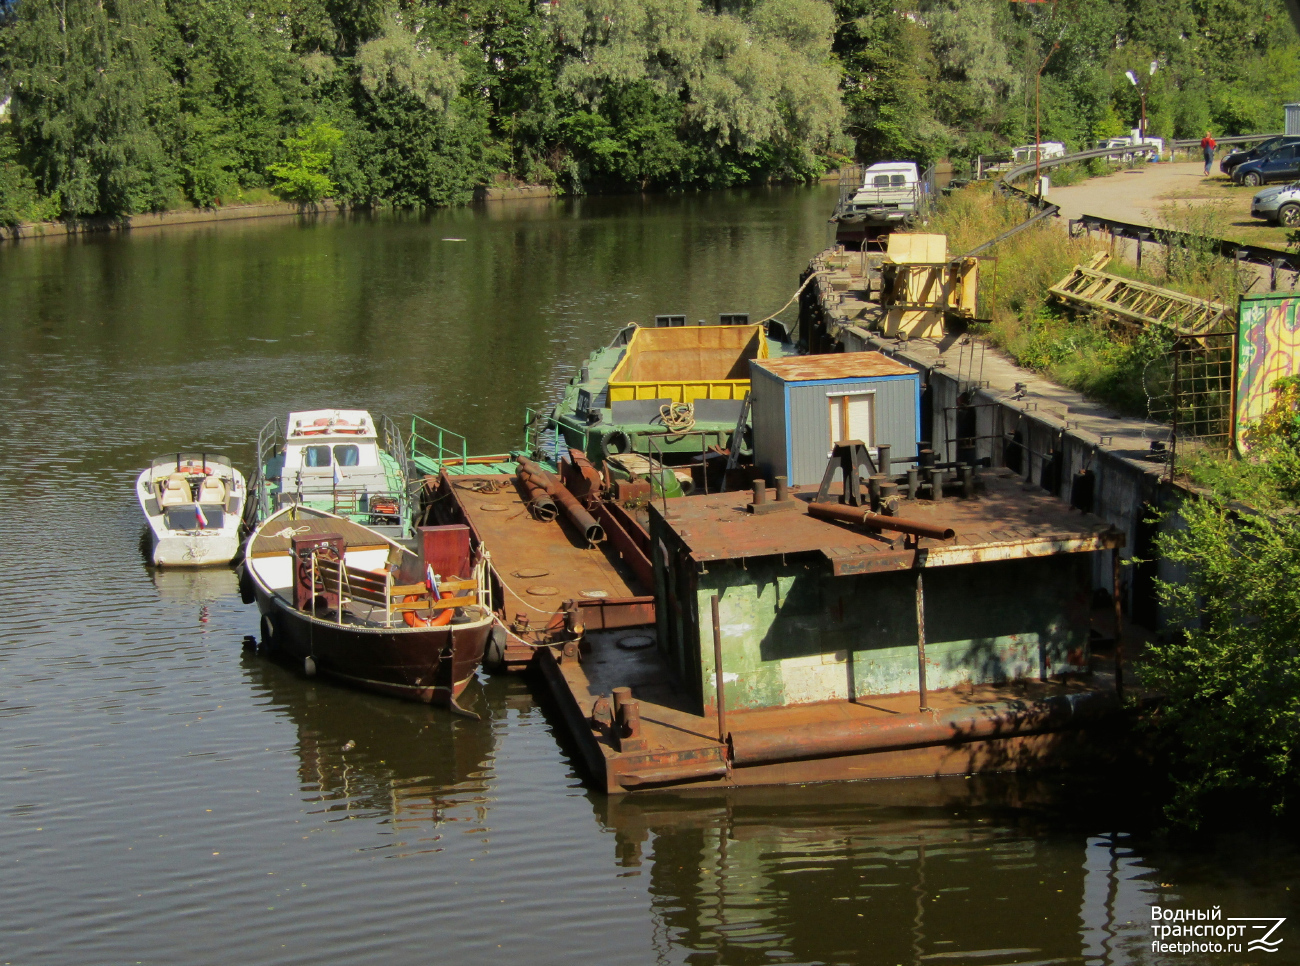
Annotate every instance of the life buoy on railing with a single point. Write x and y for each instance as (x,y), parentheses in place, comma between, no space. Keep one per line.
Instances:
(415,620)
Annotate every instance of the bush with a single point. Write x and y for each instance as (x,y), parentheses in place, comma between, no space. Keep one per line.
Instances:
(311,153)
(1230,678)
(19,199)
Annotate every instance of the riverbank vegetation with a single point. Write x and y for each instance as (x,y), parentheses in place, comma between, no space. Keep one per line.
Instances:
(1115,364)
(123,106)
(1229,674)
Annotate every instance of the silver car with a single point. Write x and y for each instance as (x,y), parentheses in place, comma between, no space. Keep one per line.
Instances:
(1280,204)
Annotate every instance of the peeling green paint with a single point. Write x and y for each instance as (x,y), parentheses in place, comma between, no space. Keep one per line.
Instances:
(793,633)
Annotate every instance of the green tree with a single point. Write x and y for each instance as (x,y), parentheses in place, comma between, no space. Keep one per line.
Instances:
(1230,677)
(302,177)
(91,99)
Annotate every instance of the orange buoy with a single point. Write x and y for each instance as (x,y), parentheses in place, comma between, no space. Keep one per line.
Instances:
(415,620)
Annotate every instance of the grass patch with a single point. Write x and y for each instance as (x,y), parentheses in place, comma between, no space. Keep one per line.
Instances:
(1117,364)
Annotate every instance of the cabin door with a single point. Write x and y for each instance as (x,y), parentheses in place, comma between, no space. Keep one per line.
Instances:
(852,416)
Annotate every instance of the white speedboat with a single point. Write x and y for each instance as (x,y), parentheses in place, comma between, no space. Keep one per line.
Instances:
(192,502)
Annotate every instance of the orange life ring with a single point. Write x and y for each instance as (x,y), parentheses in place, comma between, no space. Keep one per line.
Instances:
(415,620)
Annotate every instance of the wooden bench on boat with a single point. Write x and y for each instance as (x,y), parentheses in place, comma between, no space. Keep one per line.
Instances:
(377,588)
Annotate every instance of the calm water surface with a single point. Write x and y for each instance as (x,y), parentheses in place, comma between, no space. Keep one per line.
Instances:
(167,798)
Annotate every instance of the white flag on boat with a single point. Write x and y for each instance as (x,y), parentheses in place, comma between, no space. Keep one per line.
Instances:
(338,477)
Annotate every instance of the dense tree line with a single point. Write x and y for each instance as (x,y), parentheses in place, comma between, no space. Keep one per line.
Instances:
(121,106)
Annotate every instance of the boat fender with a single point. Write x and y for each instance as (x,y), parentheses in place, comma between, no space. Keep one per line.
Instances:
(494,654)
(246,594)
(413,619)
(309,666)
(616,442)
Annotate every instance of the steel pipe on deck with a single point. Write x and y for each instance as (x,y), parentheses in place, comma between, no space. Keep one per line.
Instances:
(532,475)
(919,729)
(853,514)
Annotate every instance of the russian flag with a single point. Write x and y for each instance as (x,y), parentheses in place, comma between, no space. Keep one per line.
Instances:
(203,521)
(338,477)
(431,579)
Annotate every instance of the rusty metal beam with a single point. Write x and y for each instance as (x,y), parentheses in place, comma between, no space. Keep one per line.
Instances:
(921,728)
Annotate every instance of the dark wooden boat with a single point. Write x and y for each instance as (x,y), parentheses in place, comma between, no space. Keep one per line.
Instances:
(352,604)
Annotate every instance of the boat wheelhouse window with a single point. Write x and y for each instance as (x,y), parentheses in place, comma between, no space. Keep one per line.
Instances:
(897,180)
(347,455)
(313,456)
(186,518)
(881,181)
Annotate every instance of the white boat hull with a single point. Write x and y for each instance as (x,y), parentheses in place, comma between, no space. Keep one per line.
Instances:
(200,549)
(197,547)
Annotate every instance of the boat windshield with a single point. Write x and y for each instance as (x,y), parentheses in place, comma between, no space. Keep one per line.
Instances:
(347,455)
(174,462)
(186,517)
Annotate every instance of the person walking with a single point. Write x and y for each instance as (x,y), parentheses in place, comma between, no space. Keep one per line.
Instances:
(1208,144)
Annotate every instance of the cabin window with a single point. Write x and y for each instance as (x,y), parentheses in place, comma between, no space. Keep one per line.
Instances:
(314,456)
(897,180)
(881,181)
(347,454)
(852,416)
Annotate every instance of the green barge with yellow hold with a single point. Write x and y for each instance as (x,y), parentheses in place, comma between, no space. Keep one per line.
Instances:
(671,393)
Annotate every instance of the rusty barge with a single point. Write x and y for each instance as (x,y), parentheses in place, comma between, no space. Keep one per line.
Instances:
(874,616)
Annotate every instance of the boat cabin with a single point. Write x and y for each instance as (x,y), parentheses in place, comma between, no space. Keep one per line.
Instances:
(803,405)
(814,610)
(335,460)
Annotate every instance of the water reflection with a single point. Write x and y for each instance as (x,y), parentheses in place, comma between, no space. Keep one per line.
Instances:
(365,755)
(883,873)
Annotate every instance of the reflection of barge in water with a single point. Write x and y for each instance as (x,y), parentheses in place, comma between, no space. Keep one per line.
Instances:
(930,623)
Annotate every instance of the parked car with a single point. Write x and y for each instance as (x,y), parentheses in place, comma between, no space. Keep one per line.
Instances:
(1237,156)
(1280,204)
(1280,164)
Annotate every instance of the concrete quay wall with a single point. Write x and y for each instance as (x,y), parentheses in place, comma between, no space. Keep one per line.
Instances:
(1050,434)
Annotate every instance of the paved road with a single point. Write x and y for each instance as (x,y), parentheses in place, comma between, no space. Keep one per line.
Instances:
(1134,196)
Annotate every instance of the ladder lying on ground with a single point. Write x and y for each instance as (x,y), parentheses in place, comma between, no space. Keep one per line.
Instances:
(1136,303)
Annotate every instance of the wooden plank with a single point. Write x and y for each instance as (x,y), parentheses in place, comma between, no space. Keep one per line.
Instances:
(440,605)
(400,590)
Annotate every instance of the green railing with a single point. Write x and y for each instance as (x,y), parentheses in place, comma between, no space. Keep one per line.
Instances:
(537,422)
(441,446)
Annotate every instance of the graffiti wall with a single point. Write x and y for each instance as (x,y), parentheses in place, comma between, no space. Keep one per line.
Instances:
(1268,348)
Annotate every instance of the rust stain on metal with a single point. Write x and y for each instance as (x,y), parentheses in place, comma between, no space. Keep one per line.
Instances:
(1004,521)
(843,365)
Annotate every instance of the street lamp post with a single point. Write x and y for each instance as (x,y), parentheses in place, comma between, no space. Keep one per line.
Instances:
(1142,96)
(1038,127)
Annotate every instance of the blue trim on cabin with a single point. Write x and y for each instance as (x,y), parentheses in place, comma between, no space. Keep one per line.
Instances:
(789,437)
(841,381)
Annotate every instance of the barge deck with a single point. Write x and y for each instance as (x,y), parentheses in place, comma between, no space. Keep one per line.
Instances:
(638,724)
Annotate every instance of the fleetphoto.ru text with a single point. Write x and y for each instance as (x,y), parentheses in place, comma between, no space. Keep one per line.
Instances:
(1207,931)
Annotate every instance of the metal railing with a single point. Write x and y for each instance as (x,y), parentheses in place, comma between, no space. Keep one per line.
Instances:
(920,195)
(440,443)
(1274,258)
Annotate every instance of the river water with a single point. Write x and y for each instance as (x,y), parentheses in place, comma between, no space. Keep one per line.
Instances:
(167,797)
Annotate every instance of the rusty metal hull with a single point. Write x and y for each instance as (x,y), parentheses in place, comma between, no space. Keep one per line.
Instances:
(601,582)
(1018,727)
(432,665)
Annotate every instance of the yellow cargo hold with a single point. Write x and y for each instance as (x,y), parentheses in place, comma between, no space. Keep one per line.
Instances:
(688,363)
